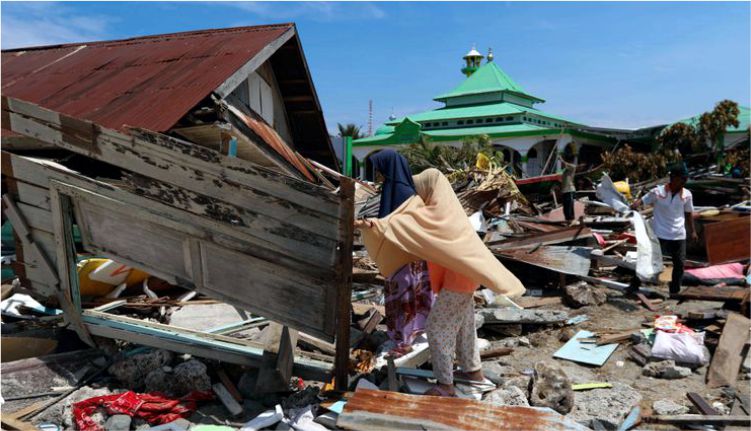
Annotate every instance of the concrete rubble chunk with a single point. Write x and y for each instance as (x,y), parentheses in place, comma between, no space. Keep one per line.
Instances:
(118,423)
(551,387)
(666,370)
(62,413)
(608,407)
(132,371)
(190,375)
(582,294)
(668,408)
(515,315)
(522,382)
(512,396)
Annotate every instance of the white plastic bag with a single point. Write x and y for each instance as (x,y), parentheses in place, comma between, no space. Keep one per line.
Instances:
(681,347)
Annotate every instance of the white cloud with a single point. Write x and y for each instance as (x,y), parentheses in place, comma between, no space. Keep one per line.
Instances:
(40,23)
(314,10)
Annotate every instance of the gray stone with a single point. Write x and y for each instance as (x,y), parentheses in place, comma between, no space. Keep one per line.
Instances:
(607,406)
(524,341)
(522,382)
(668,407)
(158,380)
(551,387)
(118,423)
(512,396)
(495,371)
(189,376)
(582,294)
(479,321)
(132,371)
(666,370)
(62,413)
(566,334)
(516,315)
(538,339)
(509,342)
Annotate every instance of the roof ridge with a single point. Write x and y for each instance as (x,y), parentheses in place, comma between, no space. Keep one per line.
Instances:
(152,37)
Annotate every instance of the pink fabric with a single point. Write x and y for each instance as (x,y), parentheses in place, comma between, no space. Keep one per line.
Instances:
(728,270)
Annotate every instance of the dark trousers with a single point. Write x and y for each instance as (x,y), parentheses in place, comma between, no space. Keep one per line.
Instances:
(568,205)
(676,249)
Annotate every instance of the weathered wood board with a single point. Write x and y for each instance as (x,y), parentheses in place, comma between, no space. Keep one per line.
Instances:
(255,238)
(728,240)
(727,359)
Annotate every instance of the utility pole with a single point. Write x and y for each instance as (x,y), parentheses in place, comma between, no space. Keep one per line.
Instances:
(370,117)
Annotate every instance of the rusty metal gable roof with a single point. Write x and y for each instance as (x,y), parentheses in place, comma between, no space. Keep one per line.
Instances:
(148,82)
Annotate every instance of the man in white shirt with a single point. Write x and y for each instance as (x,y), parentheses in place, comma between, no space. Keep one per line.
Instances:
(673,219)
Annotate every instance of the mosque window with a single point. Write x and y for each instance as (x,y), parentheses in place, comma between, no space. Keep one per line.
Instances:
(532,153)
(460,122)
(445,123)
(488,120)
(470,121)
(509,118)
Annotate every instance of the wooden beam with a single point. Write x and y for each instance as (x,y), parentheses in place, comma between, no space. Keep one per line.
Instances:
(701,404)
(242,73)
(344,284)
(726,361)
(700,420)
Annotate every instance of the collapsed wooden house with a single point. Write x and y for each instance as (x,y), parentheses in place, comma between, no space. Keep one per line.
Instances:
(186,156)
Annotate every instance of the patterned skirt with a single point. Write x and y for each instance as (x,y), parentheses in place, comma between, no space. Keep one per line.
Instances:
(408,302)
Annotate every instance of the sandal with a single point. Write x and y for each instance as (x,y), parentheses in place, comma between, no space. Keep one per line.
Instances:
(437,391)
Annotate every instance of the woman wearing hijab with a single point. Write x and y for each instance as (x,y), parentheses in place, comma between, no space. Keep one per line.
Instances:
(432,226)
(407,289)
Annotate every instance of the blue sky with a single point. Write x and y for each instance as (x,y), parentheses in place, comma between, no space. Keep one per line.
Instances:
(604,64)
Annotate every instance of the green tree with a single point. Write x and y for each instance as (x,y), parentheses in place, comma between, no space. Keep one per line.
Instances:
(712,126)
(350,129)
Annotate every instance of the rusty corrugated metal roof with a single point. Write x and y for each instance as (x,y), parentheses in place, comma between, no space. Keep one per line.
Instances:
(148,82)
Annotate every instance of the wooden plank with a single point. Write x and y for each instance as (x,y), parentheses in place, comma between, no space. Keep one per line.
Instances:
(727,358)
(710,293)
(562,259)
(161,157)
(728,241)
(343,284)
(700,420)
(385,410)
(535,302)
(496,352)
(614,338)
(226,398)
(546,238)
(647,303)
(701,404)
(33,195)
(68,288)
(231,388)
(36,218)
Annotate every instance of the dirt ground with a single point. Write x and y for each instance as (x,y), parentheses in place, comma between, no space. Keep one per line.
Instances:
(618,313)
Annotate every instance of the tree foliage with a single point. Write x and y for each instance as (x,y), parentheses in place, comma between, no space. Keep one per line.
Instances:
(425,154)
(625,163)
(350,129)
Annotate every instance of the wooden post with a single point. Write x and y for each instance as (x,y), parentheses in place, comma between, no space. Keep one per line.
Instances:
(69,293)
(344,288)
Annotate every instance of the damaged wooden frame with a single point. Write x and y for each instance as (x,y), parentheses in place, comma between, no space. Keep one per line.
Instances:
(256,239)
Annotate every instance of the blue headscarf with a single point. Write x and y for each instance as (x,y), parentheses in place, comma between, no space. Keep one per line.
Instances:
(397,185)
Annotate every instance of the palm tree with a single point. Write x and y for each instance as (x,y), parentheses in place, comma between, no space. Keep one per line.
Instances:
(350,129)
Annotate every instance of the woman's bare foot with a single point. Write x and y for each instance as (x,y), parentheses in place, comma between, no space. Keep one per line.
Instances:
(475,376)
(441,390)
(398,352)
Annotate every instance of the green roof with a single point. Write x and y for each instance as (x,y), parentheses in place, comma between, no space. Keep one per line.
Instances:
(489,78)
(744,120)
(487,130)
(472,111)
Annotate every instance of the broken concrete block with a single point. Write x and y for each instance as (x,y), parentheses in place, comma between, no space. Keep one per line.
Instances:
(158,380)
(132,371)
(551,387)
(669,408)
(62,413)
(522,382)
(118,423)
(608,406)
(479,321)
(528,316)
(666,370)
(189,376)
(524,341)
(582,294)
(513,396)
(301,399)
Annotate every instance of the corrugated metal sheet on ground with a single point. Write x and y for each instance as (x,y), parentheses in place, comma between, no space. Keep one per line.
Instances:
(148,82)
